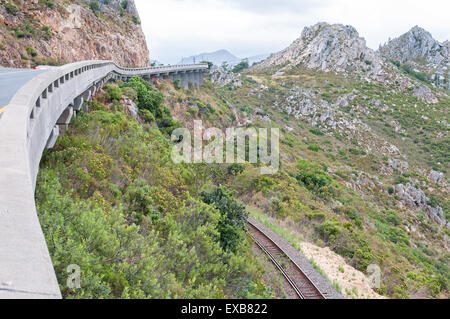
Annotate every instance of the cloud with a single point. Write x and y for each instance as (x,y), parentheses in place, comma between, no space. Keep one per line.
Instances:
(275,6)
(180,28)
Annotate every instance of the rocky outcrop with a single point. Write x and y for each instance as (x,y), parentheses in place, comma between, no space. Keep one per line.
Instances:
(222,77)
(328,48)
(424,92)
(420,50)
(42,34)
(414,45)
(436,177)
(415,198)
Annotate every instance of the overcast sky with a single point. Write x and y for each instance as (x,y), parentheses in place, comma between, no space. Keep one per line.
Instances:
(180,28)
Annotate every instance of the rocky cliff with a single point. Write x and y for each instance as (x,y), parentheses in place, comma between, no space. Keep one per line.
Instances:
(55,32)
(328,48)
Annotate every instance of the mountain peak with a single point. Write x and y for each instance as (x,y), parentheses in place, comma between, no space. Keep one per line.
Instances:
(328,47)
(416,44)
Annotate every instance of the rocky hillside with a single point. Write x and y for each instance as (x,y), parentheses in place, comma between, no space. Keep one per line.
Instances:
(419,50)
(327,48)
(55,32)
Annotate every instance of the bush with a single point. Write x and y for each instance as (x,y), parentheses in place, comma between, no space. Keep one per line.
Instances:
(235,169)
(152,100)
(48,3)
(10,8)
(312,176)
(314,147)
(94,6)
(234,216)
(113,93)
(19,33)
(316,132)
(32,52)
(263,184)
(241,66)
(329,230)
(176,84)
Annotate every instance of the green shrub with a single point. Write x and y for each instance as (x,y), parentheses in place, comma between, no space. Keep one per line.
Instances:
(94,6)
(32,52)
(48,3)
(263,184)
(113,93)
(152,100)
(329,230)
(235,169)
(10,8)
(241,66)
(312,176)
(176,84)
(19,33)
(316,132)
(234,216)
(314,147)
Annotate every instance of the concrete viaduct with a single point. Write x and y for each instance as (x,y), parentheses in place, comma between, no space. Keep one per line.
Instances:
(30,123)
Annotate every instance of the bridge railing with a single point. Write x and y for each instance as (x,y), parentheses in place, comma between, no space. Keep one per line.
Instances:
(27,126)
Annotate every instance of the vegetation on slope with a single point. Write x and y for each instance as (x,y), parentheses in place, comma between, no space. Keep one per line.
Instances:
(118,170)
(111,201)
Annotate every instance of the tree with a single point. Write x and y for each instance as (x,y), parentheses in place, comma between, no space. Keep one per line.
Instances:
(241,66)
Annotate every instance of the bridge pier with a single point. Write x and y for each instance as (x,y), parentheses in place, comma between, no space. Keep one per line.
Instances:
(53,138)
(78,103)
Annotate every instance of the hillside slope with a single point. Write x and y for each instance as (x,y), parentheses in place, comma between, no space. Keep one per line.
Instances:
(364,173)
(54,32)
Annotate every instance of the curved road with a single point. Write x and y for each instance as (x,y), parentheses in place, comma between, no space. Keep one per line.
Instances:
(11,80)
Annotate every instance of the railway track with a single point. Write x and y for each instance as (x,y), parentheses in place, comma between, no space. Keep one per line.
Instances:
(302,287)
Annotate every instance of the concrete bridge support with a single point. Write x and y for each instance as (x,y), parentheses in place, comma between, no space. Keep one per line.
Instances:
(53,138)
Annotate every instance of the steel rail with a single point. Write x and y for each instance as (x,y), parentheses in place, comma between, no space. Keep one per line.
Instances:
(291,281)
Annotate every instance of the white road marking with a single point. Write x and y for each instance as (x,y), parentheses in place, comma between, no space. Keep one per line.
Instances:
(3,109)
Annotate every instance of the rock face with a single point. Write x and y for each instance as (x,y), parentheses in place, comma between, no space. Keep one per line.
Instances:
(416,44)
(328,48)
(40,34)
(424,92)
(415,198)
(419,49)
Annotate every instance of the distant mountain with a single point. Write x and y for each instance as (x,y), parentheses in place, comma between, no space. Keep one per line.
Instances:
(218,58)
(257,58)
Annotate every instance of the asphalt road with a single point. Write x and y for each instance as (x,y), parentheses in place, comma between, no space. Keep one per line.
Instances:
(11,80)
